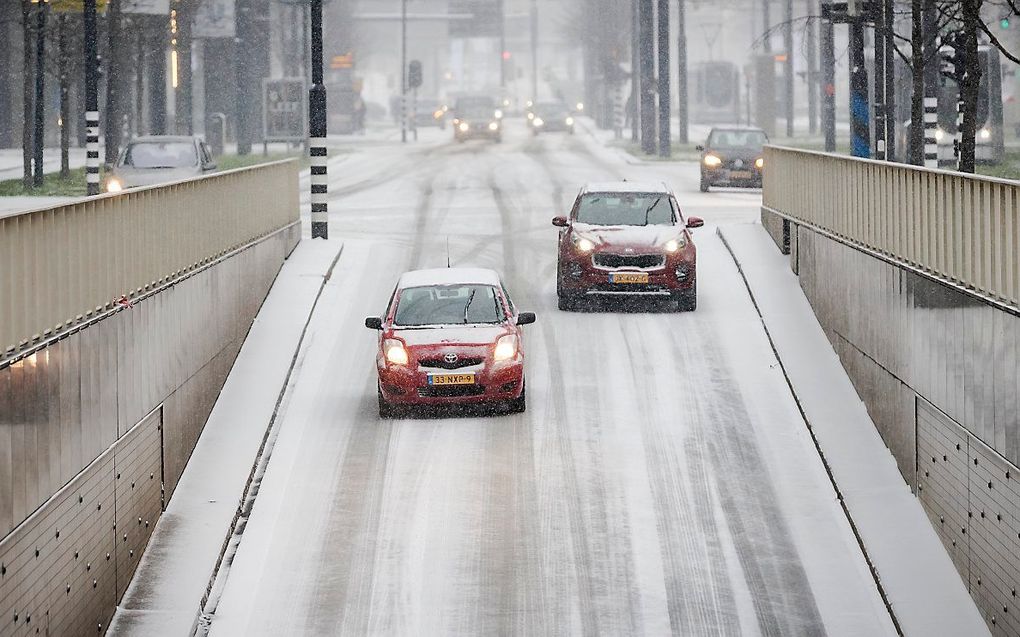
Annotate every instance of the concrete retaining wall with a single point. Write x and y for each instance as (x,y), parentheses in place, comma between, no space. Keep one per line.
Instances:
(96,429)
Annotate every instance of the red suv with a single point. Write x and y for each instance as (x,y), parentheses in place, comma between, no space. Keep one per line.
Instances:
(450,335)
(626,239)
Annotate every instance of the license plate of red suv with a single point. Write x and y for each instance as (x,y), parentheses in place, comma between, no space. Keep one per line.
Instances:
(628,277)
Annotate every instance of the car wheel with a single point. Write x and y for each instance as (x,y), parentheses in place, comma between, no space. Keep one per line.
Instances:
(704,185)
(387,409)
(687,301)
(519,404)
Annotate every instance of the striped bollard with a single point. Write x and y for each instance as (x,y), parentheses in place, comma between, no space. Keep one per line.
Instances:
(317,131)
(92,152)
(931,122)
(320,187)
(958,137)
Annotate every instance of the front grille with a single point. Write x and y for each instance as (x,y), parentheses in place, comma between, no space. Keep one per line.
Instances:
(450,391)
(647,261)
(460,363)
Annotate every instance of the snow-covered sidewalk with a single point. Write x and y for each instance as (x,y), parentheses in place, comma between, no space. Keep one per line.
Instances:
(167,590)
(926,593)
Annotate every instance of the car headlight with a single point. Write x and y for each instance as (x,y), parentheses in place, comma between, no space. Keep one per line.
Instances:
(395,352)
(494,126)
(712,161)
(114,185)
(672,245)
(570,121)
(985,133)
(498,114)
(464,127)
(584,244)
(531,116)
(759,163)
(437,114)
(538,121)
(580,106)
(506,348)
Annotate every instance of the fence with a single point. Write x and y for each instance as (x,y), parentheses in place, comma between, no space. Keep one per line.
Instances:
(61,265)
(958,227)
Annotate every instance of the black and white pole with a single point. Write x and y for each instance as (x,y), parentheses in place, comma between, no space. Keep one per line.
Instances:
(932,61)
(317,132)
(91,98)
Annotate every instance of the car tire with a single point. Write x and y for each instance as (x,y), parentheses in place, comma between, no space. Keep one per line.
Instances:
(387,410)
(520,404)
(687,301)
(704,185)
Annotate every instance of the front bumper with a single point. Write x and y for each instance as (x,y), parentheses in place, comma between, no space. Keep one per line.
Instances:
(732,177)
(409,385)
(580,277)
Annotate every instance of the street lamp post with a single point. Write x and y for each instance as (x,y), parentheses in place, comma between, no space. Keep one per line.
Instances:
(317,132)
(91,98)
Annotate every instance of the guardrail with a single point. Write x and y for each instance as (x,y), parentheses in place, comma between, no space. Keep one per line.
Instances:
(60,266)
(961,228)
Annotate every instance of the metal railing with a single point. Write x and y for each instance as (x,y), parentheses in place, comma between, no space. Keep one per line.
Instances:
(60,266)
(961,228)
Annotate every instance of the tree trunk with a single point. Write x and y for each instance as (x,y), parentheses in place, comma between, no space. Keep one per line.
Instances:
(917,85)
(28,93)
(114,82)
(63,62)
(970,82)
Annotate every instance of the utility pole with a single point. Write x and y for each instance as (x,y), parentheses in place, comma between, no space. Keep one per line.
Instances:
(91,98)
(114,72)
(502,44)
(812,70)
(647,43)
(888,19)
(318,156)
(788,67)
(681,62)
(880,72)
(403,71)
(860,145)
(766,26)
(828,86)
(665,143)
(635,73)
(534,50)
(40,85)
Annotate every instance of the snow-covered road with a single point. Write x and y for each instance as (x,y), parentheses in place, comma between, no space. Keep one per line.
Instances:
(662,480)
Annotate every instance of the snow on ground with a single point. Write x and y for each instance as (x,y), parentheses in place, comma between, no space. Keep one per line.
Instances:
(923,586)
(662,478)
(166,592)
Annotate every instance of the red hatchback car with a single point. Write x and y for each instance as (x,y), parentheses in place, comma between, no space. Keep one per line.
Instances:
(626,239)
(450,336)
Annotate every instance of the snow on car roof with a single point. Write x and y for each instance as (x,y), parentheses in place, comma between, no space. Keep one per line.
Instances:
(448,276)
(627,186)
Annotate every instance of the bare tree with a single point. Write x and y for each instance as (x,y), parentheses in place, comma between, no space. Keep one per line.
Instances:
(28,99)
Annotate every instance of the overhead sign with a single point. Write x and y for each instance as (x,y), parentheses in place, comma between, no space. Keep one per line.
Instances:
(214,19)
(284,109)
(75,6)
(146,7)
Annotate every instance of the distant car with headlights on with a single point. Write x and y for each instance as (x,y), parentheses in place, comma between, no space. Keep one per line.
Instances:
(147,161)
(450,336)
(732,156)
(477,117)
(430,112)
(626,239)
(551,117)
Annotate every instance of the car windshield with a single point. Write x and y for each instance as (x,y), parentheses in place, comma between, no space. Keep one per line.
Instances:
(551,111)
(448,305)
(160,155)
(737,139)
(625,209)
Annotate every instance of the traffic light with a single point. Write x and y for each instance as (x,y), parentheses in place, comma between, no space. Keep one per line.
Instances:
(414,74)
(1004,23)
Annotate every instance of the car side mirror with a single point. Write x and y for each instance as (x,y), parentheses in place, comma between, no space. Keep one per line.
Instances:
(560,222)
(699,147)
(526,318)
(373,323)
(695,222)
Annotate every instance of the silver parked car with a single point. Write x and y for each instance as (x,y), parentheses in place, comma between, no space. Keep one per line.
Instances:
(147,161)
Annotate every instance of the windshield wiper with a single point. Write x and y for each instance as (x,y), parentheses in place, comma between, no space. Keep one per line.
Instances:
(467,306)
(649,209)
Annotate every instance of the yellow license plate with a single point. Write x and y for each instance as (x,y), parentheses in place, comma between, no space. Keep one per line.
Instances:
(452,379)
(740,174)
(628,277)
